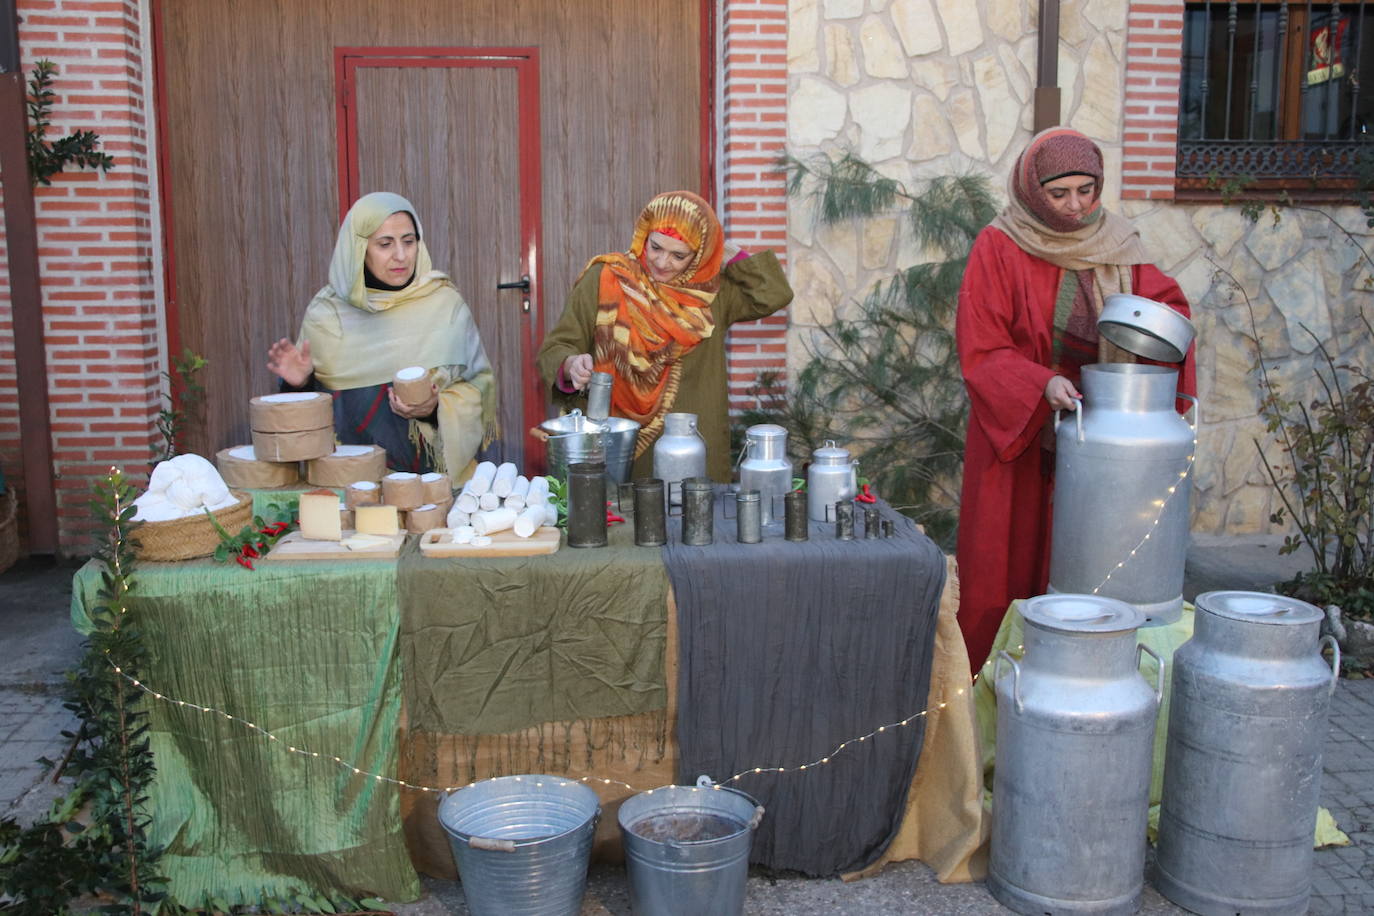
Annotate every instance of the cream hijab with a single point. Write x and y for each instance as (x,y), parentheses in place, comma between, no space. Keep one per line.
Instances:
(359,337)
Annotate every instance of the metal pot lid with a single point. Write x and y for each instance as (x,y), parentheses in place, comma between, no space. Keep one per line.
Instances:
(1068,613)
(1258,607)
(1145,327)
(766,431)
(830,453)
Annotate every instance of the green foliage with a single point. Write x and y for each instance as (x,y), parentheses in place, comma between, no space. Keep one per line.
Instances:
(253,541)
(558,498)
(184,395)
(47,159)
(884,378)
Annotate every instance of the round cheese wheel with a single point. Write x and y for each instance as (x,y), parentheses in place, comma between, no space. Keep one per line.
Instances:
(402,490)
(437,487)
(240,468)
(302,445)
(347,464)
(423,518)
(291,411)
(412,385)
(362,493)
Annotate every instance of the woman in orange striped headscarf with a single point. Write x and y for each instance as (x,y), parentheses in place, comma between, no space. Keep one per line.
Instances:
(655,317)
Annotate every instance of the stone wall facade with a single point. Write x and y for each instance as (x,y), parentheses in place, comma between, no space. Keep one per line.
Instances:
(920,88)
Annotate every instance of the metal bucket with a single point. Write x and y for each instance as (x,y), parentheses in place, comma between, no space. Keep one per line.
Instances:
(687,850)
(522,844)
(575,439)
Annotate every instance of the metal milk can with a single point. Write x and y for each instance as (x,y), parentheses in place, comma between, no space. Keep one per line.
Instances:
(1075,736)
(831,477)
(1121,489)
(1243,760)
(679,453)
(764,467)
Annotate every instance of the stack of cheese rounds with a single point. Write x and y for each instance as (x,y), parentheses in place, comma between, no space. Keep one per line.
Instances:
(292,426)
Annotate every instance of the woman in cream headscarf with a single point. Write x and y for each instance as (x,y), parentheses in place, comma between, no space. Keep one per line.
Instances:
(655,317)
(384,309)
(1026,325)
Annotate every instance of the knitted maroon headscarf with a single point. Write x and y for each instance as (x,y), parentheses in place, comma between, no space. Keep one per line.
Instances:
(1054,154)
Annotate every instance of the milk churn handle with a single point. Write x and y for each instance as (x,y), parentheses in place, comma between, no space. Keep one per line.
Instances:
(1330,640)
(744,450)
(491,844)
(1197,409)
(1015,676)
(1163,666)
(1078,417)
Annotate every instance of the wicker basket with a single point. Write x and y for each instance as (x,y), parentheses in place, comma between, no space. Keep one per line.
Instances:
(193,536)
(9,529)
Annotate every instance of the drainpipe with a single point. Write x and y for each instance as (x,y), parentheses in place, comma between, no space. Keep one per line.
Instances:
(1047,67)
(26,301)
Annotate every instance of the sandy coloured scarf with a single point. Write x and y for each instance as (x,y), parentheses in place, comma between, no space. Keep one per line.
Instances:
(361,337)
(1096,254)
(643,327)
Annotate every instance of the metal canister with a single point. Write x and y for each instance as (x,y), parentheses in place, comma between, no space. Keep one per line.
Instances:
(679,453)
(1075,736)
(795,525)
(830,478)
(599,395)
(587,504)
(1243,760)
(651,521)
(1121,491)
(844,520)
(765,468)
(873,522)
(748,517)
(698,511)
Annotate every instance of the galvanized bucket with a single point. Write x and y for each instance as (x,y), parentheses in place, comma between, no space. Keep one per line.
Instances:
(522,844)
(687,850)
(575,439)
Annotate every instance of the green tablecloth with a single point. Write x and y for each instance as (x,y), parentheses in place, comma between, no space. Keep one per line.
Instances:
(312,659)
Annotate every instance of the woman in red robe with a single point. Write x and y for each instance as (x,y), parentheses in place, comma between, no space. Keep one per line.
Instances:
(1026,323)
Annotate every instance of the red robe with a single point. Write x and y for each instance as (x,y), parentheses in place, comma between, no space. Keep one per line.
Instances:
(1004,328)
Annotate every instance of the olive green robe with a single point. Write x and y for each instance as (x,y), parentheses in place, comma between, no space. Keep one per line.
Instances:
(750,288)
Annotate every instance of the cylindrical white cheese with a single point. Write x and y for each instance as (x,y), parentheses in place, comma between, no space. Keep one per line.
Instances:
(402,490)
(551,515)
(529,521)
(538,493)
(516,499)
(494,521)
(482,478)
(504,480)
(463,534)
(488,501)
(467,500)
(456,517)
(438,487)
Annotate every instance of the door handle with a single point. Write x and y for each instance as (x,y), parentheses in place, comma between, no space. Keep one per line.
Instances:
(522,284)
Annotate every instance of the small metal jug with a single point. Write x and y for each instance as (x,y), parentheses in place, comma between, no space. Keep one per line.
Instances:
(587,504)
(764,467)
(679,453)
(831,477)
(698,511)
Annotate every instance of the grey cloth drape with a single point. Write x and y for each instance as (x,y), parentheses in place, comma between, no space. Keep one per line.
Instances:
(788,649)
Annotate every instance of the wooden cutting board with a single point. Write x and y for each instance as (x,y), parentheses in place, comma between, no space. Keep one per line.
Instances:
(295,547)
(438,542)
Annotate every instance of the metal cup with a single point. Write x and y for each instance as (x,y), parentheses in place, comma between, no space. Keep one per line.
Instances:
(872,522)
(587,504)
(698,511)
(748,517)
(599,396)
(651,522)
(796,522)
(844,520)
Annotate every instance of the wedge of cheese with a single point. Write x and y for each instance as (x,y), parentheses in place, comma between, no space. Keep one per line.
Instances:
(381,520)
(320,516)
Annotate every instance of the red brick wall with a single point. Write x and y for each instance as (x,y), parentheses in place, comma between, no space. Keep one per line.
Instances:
(1154,46)
(753,130)
(95,258)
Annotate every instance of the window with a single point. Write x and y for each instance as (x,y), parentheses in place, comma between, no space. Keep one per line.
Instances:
(1273,91)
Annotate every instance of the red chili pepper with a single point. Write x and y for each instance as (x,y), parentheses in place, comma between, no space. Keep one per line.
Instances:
(612,518)
(248,551)
(866,496)
(244,561)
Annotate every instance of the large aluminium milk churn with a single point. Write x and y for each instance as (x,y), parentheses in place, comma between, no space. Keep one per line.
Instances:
(1075,737)
(1121,488)
(831,477)
(1243,760)
(765,467)
(679,454)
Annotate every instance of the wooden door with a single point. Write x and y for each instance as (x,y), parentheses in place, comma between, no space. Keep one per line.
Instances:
(458,135)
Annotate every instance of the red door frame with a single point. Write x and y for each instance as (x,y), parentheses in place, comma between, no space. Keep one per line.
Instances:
(525,63)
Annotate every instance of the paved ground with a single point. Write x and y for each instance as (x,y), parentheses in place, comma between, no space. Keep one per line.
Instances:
(39,646)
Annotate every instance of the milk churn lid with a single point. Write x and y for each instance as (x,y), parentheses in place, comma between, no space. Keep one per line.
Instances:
(830,454)
(766,431)
(1258,607)
(1145,327)
(1067,613)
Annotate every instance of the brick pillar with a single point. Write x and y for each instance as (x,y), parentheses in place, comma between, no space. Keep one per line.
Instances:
(100,309)
(1154,70)
(753,132)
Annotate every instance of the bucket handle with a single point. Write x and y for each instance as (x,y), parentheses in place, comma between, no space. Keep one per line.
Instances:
(491,844)
(1078,417)
(757,818)
(1330,640)
(1159,675)
(1197,408)
(1015,677)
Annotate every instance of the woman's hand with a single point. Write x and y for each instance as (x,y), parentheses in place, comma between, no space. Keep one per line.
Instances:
(290,364)
(1061,394)
(577,369)
(414,411)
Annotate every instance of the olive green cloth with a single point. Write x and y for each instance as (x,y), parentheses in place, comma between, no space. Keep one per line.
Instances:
(498,644)
(306,651)
(750,288)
